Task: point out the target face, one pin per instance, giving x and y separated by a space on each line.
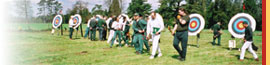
236 27
196 24
77 20
57 21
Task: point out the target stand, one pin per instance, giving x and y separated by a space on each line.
196 25
236 27
57 22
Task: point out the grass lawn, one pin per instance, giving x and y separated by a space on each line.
40 47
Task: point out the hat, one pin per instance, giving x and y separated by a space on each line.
136 14
245 22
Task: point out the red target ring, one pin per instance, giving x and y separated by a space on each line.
193 24
240 25
57 21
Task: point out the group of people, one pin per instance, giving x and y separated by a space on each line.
150 28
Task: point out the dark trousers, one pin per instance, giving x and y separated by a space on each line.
125 37
70 33
93 34
214 38
101 33
183 37
104 34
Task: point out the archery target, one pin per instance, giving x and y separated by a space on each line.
57 21
196 24
236 27
77 20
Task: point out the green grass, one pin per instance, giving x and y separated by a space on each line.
40 47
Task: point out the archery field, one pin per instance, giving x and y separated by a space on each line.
35 45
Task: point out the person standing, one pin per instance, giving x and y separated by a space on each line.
248 39
145 40
117 27
87 28
71 27
101 27
126 28
139 27
217 33
105 18
154 27
92 27
111 28
181 34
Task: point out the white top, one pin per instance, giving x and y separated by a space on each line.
116 25
71 24
157 22
108 21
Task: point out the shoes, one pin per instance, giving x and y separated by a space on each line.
137 52
151 57
256 59
182 59
160 54
241 60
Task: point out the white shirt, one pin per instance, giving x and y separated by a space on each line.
157 22
108 21
71 24
116 25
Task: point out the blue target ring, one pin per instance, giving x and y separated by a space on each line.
197 22
77 20
235 25
56 23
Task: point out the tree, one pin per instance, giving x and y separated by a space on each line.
114 8
48 9
138 6
254 8
24 9
80 7
98 10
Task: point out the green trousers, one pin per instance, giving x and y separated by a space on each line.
183 37
70 32
145 41
119 34
138 42
125 37
214 39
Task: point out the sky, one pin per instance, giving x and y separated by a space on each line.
67 4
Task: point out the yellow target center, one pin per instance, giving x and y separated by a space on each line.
241 25
193 24
56 21
75 21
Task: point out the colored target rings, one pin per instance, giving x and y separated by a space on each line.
57 21
236 27
196 24
77 20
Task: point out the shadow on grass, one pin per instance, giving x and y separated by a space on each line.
193 45
175 57
231 49
238 57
